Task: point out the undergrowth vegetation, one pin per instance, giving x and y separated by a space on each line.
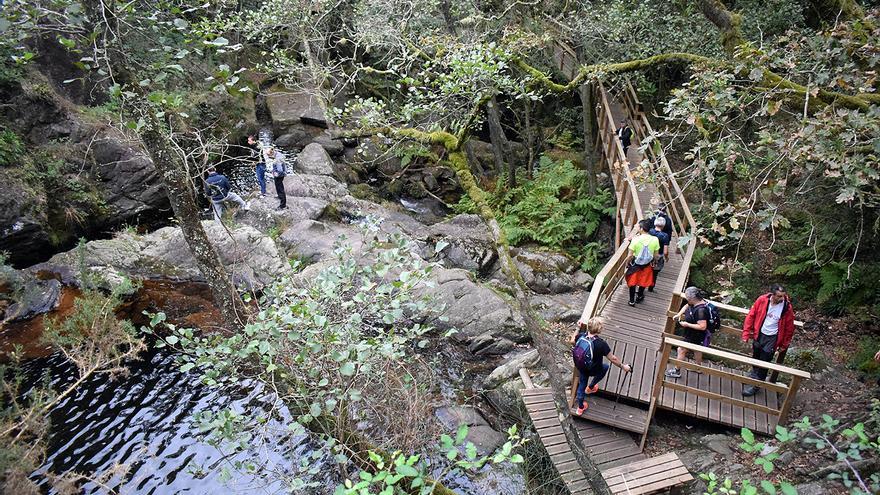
554 210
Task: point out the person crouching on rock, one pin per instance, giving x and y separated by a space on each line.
643 253
218 189
588 349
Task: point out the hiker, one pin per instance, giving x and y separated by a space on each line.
278 167
643 252
694 318
260 162
218 189
770 327
661 213
588 349
663 238
624 133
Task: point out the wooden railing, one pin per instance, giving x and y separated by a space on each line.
789 392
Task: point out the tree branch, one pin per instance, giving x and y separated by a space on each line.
726 21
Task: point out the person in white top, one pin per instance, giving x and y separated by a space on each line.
770 327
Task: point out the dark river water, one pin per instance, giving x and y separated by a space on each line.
145 422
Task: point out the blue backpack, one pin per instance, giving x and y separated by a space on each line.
582 352
714 322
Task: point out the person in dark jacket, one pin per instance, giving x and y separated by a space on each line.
218 189
770 327
624 133
694 319
600 349
663 238
667 226
278 167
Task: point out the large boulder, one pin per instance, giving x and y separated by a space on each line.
510 368
250 256
314 160
37 297
314 186
311 241
486 324
480 433
265 217
550 273
292 106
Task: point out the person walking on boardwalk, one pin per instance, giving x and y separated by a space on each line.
770 327
624 133
694 317
588 351
643 252
663 238
218 189
661 213
278 167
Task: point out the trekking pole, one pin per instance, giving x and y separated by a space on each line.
620 387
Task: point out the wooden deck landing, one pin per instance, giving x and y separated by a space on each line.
647 476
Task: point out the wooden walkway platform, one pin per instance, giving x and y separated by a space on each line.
647 476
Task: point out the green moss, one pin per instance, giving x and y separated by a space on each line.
11 147
863 359
363 191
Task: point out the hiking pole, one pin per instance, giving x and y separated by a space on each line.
620 387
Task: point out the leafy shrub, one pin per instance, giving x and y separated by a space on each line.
553 209
863 359
11 147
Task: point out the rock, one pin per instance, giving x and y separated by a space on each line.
314 186
483 436
313 241
313 159
564 308
288 107
719 444
430 182
813 488
768 449
251 256
493 329
735 467
293 139
333 147
264 215
37 297
785 458
511 367
550 273
696 460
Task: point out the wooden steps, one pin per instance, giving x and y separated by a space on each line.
647 476
609 413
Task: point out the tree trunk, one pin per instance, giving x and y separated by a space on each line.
530 138
589 120
500 146
182 197
726 21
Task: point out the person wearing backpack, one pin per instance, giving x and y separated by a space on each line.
699 319
770 327
588 351
663 238
275 160
643 253
217 188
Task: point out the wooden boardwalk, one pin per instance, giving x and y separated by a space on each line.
644 335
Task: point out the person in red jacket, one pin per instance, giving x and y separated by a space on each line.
770 327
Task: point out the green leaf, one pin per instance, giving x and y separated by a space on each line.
787 488
747 435
172 339
516 459
768 487
347 369
461 434
408 471
441 245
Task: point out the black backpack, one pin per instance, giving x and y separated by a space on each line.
714 322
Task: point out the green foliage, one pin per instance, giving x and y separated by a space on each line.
11 148
554 210
844 445
863 357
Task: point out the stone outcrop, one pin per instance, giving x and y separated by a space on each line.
251 257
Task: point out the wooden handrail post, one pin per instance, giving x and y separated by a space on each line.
789 399
575 378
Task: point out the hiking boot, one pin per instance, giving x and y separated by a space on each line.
593 389
580 410
632 304
281 208
749 390
650 289
673 373
640 299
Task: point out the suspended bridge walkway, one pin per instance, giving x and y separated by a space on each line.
644 335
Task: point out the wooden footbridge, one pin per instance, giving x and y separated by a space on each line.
644 335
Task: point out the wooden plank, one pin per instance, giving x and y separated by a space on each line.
632 483
702 393
669 456
729 374
739 359
620 416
